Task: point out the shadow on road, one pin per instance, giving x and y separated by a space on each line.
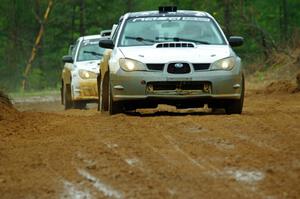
171 113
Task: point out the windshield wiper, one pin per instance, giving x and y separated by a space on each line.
140 39
93 53
176 39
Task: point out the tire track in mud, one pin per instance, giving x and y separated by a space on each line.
247 176
131 153
207 168
164 148
132 179
129 179
254 148
167 158
84 154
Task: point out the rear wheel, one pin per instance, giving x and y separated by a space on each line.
104 94
236 106
99 89
67 96
62 93
79 104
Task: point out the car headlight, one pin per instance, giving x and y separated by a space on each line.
87 74
131 65
224 64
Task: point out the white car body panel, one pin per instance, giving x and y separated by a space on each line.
203 80
151 54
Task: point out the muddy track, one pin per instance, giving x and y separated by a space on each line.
46 152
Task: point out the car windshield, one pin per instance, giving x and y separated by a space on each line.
149 30
90 50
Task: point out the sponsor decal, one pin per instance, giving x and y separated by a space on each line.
145 19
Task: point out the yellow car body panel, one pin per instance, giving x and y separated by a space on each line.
104 68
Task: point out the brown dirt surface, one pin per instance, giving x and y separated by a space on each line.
162 153
7 111
283 86
282 66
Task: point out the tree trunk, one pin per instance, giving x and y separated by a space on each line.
176 3
40 46
129 5
73 22
298 82
283 11
36 44
82 15
227 16
15 36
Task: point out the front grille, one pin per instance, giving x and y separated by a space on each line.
174 85
175 45
179 68
155 66
201 66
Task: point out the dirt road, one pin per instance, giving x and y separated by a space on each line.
160 153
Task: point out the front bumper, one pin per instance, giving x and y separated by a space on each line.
127 86
85 90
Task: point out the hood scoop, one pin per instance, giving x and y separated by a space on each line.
175 45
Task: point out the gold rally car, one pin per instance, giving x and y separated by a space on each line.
79 75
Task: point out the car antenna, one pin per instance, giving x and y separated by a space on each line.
166 9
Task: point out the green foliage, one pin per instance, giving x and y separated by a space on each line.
255 20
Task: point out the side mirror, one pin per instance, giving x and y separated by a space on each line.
235 41
67 59
106 43
71 47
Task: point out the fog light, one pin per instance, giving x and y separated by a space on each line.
236 86
206 88
150 88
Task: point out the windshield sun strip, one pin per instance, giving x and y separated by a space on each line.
204 17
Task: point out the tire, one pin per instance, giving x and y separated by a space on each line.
236 106
104 94
62 93
79 104
67 96
98 89
114 107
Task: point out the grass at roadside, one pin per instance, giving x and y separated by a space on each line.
52 92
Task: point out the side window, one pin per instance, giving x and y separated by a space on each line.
74 49
114 37
71 47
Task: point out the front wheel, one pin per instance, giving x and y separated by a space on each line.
236 106
67 96
114 107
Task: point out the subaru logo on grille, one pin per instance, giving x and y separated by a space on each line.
178 65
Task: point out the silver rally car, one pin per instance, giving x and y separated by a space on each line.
180 58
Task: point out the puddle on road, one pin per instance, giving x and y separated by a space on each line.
246 176
72 191
195 129
132 161
111 145
107 190
219 143
250 177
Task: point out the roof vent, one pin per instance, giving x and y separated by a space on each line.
175 45
166 9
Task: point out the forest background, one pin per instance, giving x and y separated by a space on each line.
268 26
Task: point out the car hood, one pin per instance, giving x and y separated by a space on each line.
91 65
198 54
